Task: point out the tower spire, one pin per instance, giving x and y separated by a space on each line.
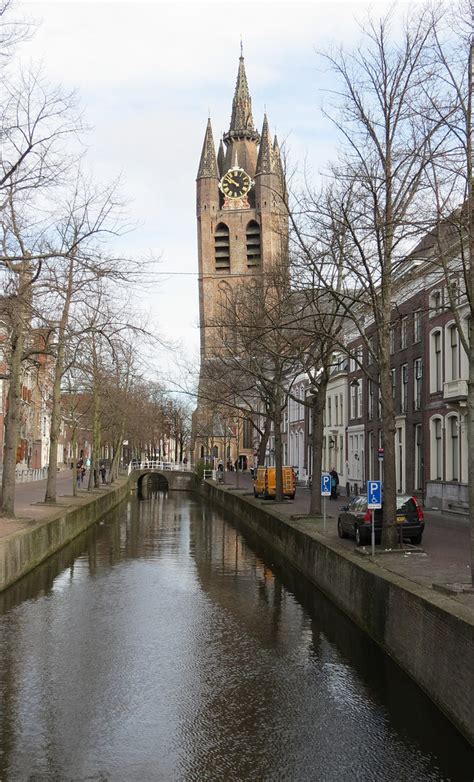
208 162
241 122
265 162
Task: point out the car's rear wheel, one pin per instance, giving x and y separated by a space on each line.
265 494
340 531
417 539
255 493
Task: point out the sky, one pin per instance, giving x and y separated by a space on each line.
148 75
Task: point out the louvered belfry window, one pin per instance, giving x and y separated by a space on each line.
221 248
253 244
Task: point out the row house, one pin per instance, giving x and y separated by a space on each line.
429 372
429 381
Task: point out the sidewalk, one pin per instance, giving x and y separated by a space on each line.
443 559
29 501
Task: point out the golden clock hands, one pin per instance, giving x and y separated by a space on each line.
232 181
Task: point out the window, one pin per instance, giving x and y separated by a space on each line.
253 244
453 353
222 248
418 458
404 333
417 382
417 326
454 447
436 304
341 407
354 401
393 373
359 400
392 339
400 459
404 389
336 413
437 467
436 361
371 456
370 399
329 412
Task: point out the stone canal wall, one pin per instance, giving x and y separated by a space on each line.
429 635
24 549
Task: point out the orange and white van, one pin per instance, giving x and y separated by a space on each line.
264 484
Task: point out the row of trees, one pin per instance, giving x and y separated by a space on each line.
64 285
401 102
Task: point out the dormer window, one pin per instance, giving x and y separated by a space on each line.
222 248
253 244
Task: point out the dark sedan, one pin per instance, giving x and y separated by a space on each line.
355 520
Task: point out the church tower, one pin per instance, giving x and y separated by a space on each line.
241 222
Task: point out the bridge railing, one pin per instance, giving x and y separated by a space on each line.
28 474
150 464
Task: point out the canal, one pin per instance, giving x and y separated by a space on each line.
161 646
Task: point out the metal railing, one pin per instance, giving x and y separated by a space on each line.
28 474
150 464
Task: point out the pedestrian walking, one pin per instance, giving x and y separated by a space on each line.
79 473
102 472
334 483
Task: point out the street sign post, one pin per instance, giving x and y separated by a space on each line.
325 484
325 492
374 502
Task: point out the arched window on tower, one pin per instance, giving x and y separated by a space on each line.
253 245
222 248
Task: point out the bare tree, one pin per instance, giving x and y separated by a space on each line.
382 181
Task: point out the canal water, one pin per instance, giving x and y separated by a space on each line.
162 645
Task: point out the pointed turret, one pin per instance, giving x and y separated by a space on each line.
208 162
221 158
277 156
265 160
241 122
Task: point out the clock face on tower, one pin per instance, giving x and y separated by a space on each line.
236 183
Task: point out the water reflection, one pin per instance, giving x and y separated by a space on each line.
159 646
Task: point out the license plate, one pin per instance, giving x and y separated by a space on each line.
400 519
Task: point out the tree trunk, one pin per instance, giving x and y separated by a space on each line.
389 526
317 428
470 282
114 467
262 447
278 448
50 495
73 462
13 414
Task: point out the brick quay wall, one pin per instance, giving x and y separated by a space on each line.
428 634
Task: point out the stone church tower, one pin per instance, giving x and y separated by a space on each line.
241 220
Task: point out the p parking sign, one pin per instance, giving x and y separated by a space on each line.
374 495
325 484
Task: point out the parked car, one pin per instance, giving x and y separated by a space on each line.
265 482
355 520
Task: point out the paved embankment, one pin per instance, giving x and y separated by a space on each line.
429 634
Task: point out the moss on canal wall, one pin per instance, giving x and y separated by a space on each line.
430 636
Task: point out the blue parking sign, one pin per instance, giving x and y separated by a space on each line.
374 495
325 484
